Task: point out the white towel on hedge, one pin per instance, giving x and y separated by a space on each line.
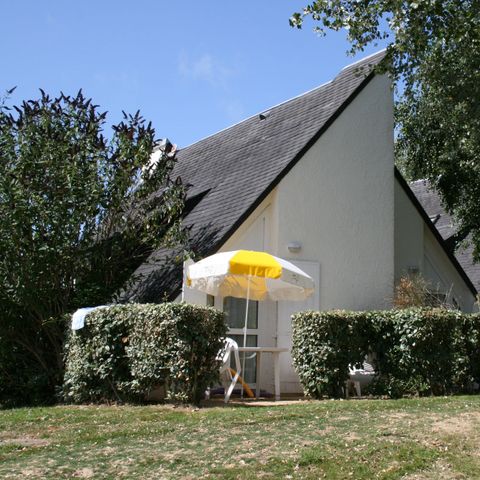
78 318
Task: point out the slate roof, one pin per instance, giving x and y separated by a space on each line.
232 171
445 225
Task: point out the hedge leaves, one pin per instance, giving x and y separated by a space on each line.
125 351
416 351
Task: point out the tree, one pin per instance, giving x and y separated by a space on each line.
434 56
78 213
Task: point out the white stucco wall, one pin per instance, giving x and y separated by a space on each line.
409 228
443 275
338 202
416 247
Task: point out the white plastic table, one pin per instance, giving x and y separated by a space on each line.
275 351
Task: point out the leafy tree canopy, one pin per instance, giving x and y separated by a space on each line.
433 53
79 211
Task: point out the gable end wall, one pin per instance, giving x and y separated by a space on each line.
338 202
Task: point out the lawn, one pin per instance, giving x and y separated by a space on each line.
431 438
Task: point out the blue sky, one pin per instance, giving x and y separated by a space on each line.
192 68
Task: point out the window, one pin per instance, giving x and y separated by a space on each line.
235 311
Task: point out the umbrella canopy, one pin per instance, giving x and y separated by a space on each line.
251 275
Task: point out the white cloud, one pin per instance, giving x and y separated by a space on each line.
205 68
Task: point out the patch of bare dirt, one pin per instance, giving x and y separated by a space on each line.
24 441
441 470
33 473
463 424
84 473
324 431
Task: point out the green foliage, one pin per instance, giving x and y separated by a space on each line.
414 31
124 352
433 54
415 351
79 210
467 352
323 346
28 374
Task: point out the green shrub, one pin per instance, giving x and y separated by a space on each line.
24 380
467 353
125 351
323 345
416 351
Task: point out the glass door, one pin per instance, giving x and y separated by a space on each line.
235 311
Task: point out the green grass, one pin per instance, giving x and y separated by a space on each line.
431 438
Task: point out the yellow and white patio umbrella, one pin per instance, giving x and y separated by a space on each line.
251 275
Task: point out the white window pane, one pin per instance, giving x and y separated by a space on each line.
235 310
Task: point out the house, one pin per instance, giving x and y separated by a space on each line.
311 180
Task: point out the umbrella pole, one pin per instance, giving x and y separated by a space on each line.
245 333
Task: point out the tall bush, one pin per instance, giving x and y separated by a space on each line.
416 351
124 352
324 344
467 353
81 207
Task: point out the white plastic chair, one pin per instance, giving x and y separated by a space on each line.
228 380
359 377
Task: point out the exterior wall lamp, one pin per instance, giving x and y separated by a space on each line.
294 247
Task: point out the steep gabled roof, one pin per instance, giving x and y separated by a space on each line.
445 225
236 168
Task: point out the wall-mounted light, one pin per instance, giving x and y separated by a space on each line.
294 247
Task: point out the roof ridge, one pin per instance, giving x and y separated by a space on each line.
363 59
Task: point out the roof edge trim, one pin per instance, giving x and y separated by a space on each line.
363 59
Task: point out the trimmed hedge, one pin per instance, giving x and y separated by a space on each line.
126 351
414 352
